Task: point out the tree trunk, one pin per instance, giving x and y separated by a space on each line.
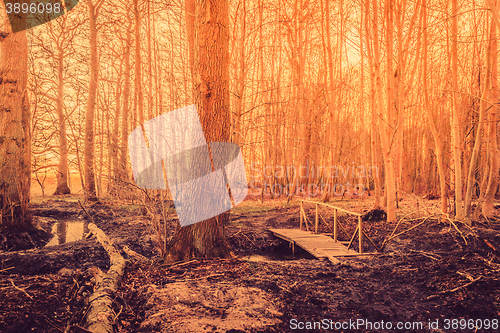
373 122
456 112
388 127
378 77
488 209
438 141
90 186
236 134
114 147
15 136
138 63
211 85
477 142
122 174
62 170
150 65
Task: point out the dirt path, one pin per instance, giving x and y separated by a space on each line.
426 274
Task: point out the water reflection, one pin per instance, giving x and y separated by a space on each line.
271 257
66 231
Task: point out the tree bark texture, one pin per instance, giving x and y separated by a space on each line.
15 136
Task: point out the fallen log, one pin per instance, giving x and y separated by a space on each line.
100 316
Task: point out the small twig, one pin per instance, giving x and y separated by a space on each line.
402 232
426 254
487 243
119 312
404 217
468 226
91 219
20 289
466 275
249 239
489 262
182 263
453 224
454 289
6 269
395 228
200 278
80 329
235 234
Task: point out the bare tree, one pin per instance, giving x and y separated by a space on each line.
211 84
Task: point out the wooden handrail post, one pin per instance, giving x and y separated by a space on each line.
316 221
335 231
300 213
360 234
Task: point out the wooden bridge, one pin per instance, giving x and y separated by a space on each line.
323 245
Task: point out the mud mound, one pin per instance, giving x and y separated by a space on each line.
190 307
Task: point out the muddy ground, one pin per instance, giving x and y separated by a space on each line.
437 271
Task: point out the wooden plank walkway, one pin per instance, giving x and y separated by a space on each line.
320 246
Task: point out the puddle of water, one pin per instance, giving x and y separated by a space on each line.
66 231
257 258
271 257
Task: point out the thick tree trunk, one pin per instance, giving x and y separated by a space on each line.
15 136
211 84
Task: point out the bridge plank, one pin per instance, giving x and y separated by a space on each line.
318 245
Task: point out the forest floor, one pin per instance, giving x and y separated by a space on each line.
437 271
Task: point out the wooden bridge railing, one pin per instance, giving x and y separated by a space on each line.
359 229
